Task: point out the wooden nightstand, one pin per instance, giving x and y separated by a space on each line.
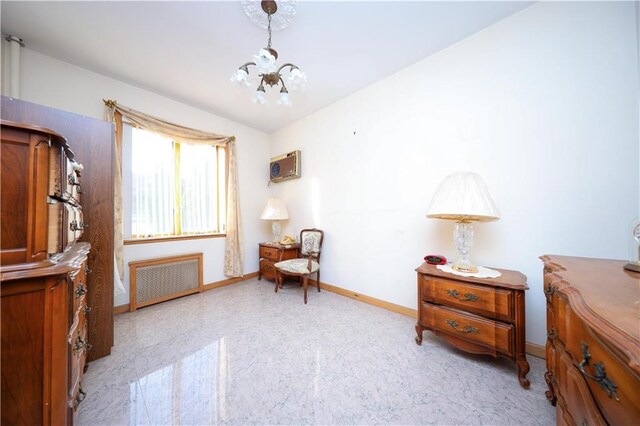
477 315
271 253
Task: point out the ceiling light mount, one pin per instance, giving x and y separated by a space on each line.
269 6
265 60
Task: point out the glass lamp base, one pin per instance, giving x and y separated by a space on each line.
275 230
463 238
633 266
462 265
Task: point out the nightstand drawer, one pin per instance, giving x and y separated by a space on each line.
491 302
472 328
269 253
267 268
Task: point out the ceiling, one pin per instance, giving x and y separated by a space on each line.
187 51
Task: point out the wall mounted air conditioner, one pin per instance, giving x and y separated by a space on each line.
286 166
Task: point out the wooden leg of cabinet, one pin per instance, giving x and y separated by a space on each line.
550 394
523 369
419 330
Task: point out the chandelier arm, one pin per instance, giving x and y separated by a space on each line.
282 81
247 64
290 65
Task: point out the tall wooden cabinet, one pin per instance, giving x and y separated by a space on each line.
43 277
92 142
56 253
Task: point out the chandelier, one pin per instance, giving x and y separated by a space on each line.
265 61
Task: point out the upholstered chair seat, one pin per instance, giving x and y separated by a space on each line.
298 266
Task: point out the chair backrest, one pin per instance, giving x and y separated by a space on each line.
311 241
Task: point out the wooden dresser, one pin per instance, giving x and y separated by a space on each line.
272 253
478 315
593 344
43 271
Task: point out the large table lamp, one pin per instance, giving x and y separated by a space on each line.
463 197
275 211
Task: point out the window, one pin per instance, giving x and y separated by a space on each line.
176 188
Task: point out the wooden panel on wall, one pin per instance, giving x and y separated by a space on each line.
92 142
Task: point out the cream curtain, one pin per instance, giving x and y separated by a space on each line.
234 251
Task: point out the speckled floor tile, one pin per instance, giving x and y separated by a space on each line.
243 354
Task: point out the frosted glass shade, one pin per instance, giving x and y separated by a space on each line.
463 197
265 61
274 210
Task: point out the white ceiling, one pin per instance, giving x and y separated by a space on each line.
188 50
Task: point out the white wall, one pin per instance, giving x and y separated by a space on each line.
50 82
543 105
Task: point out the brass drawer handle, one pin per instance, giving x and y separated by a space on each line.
74 225
80 291
87 271
600 376
551 334
550 290
80 344
86 309
468 297
79 398
467 328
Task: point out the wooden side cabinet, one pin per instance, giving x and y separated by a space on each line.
482 316
272 253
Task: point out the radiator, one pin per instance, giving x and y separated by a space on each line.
158 280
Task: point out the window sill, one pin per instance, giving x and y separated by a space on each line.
151 240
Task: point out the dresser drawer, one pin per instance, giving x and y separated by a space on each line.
269 253
472 328
576 394
491 302
582 341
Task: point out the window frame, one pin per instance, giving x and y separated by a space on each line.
132 239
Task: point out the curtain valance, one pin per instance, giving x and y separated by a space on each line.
170 130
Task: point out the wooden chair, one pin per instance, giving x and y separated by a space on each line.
305 266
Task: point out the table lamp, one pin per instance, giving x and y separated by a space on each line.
275 211
463 197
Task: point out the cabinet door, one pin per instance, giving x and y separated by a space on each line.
24 174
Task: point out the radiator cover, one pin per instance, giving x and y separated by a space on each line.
158 280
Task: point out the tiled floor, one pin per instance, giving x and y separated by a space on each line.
243 354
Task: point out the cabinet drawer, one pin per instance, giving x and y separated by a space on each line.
269 253
73 188
495 303
56 223
626 410
473 328
576 394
